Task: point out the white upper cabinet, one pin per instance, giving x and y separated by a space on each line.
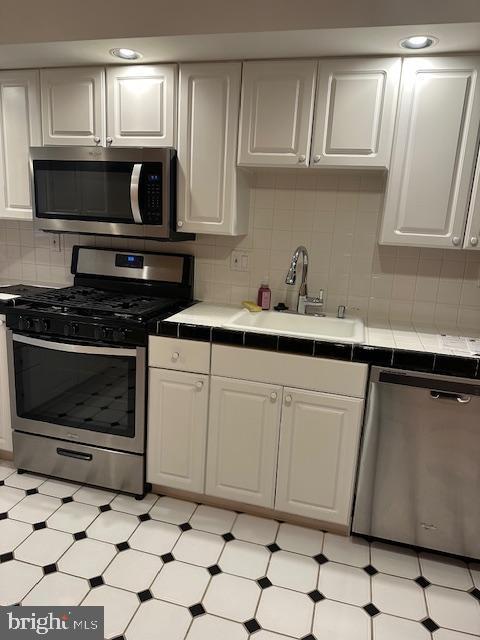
472 232
243 440
319 441
355 112
19 129
276 112
73 106
434 151
212 192
141 105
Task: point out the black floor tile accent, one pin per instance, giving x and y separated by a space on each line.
49 568
39 525
228 537
309 637
67 499
167 557
80 535
252 625
144 517
320 558
316 596
122 546
105 507
30 492
371 609
186 526
475 593
143 596
370 570
97 581
214 570
4 515
6 557
273 548
264 583
422 582
430 625
196 610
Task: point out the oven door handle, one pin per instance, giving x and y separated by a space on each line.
134 186
74 348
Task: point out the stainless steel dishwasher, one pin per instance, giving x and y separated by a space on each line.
419 473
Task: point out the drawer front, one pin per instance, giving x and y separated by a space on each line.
180 355
300 372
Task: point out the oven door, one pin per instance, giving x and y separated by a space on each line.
80 393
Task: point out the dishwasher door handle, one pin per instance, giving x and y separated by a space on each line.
444 395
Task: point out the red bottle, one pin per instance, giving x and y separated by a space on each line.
264 297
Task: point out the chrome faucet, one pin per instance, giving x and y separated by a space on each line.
305 305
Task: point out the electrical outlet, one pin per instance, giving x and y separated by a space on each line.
56 243
239 261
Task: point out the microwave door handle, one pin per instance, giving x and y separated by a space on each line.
134 184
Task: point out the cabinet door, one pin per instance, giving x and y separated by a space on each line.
177 429
19 129
141 103
355 112
243 440
319 441
433 155
5 421
207 141
73 106
472 232
276 112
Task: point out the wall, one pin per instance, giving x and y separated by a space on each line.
335 215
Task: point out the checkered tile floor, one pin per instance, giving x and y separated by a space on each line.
166 568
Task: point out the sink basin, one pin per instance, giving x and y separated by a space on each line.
299 326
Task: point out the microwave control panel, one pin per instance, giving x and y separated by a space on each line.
151 194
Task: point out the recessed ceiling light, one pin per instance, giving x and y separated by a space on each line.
418 42
125 54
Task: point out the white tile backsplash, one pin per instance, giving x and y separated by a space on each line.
335 214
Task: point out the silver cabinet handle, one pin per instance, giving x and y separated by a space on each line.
316 158
288 399
199 384
456 240
109 140
301 158
175 356
96 139
179 224
474 241
273 396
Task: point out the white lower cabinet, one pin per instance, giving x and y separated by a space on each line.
5 422
243 440
177 429
319 439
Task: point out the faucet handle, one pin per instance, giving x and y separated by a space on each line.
317 299
341 311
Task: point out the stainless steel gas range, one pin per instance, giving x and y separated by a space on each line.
77 365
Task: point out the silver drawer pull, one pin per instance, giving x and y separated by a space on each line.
78 455
443 395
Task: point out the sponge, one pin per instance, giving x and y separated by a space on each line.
251 306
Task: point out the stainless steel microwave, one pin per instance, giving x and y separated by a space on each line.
106 191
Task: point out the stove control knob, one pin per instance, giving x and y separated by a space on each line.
45 325
99 333
75 328
37 325
28 324
21 324
119 335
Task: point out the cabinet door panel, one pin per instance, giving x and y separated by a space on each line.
19 129
319 439
276 112
73 106
207 142
243 440
142 105
355 112
177 429
432 162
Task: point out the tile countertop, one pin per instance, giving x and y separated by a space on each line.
419 348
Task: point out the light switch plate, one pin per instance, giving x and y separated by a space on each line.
239 261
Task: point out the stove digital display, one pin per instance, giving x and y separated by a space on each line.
128 260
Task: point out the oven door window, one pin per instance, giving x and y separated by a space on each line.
76 390
83 190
